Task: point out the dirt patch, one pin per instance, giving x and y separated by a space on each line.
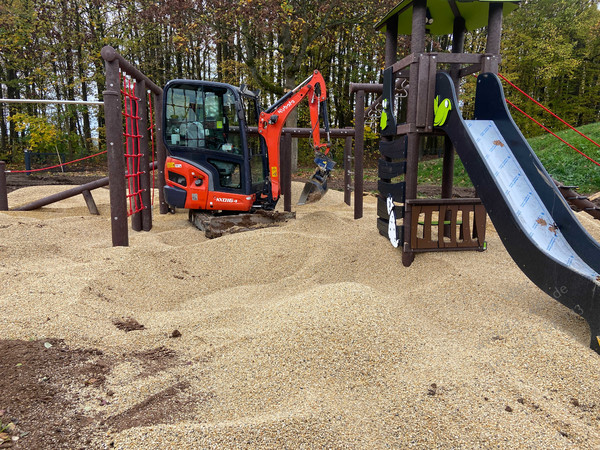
41 384
128 324
170 405
45 386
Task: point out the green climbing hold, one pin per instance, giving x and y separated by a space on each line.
383 120
441 110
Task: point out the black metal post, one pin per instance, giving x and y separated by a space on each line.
3 188
359 150
116 159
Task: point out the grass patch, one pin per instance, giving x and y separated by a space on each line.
565 164
562 162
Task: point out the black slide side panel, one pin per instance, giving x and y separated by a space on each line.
560 282
490 104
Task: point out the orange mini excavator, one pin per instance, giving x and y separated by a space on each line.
223 149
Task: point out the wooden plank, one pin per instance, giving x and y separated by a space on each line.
433 60
396 190
382 211
444 201
404 63
423 83
393 149
390 169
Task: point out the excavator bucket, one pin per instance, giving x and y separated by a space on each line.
316 187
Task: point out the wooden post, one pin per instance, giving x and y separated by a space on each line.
494 36
359 150
89 201
116 160
458 45
412 157
161 153
286 171
391 41
146 214
347 177
3 188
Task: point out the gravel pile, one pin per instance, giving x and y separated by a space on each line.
310 334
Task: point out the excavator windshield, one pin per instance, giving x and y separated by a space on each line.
202 116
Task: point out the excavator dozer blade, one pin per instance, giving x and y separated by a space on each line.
312 192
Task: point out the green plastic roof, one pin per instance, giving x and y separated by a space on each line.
475 14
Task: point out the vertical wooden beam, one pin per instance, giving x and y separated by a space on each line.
412 157
347 177
116 160
359 151
448 168
286 171
3 188
391 41
146 214
458 45
417 42
161 152
494 36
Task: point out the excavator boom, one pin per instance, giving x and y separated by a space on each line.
272 121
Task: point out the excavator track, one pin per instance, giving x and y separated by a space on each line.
215 225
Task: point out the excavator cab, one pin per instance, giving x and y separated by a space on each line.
212 163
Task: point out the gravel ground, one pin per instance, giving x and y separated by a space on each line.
310 334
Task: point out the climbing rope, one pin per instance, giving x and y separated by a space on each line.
132 145
548 110
57 165
554 115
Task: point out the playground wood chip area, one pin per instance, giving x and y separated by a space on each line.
306 335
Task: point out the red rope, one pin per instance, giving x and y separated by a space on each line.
549 131
58 165
548 110
151 129
132 146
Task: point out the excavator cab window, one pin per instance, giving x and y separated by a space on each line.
256 150
203 117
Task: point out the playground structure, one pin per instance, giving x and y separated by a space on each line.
527 208
569 272
133 114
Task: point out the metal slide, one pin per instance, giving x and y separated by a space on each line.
533 219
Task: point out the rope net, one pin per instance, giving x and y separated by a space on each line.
133 152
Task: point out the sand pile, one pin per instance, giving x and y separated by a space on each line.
310 334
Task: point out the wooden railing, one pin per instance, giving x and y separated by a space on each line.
447 224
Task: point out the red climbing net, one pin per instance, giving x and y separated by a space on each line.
133 153
151 130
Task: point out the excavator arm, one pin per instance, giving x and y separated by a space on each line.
272 121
